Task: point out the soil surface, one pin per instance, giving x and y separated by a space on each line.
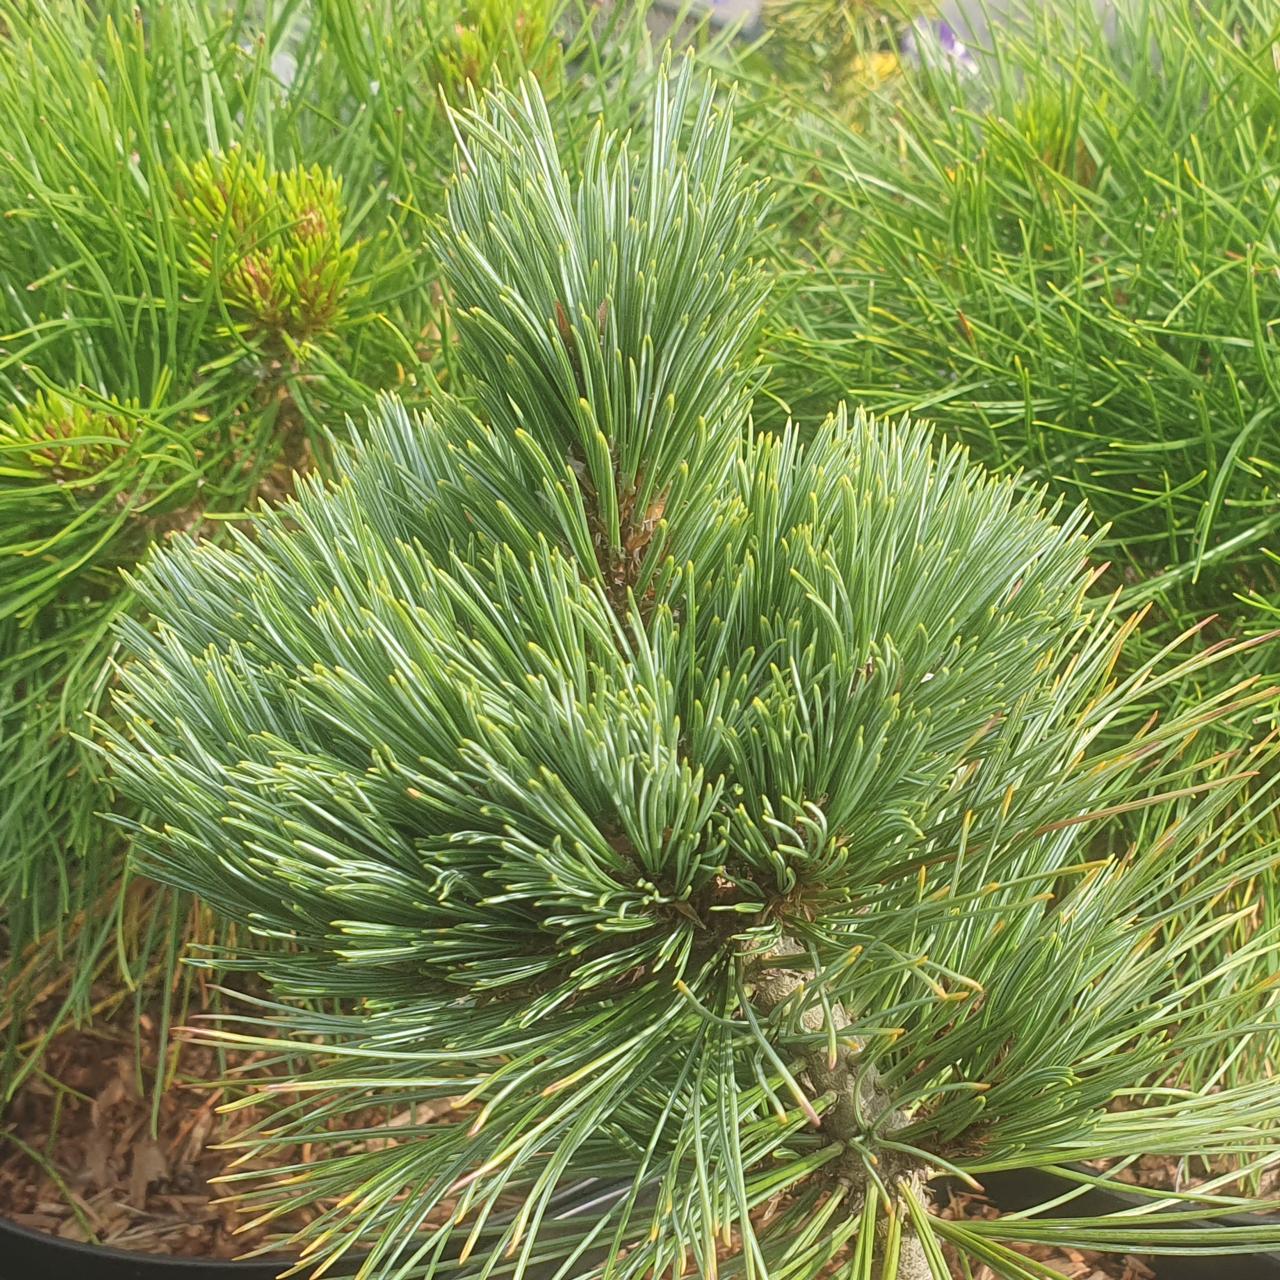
79 1157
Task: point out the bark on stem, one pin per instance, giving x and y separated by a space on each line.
859 1102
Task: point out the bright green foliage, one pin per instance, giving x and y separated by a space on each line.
214 227
1069 260
489 35
269 243
722 816
54 435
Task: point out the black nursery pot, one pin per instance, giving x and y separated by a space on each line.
1017 1189
34 1255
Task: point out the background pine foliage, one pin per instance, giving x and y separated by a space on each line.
1065 258
728 819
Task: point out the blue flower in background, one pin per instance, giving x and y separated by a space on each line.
937 41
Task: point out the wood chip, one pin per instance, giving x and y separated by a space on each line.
148 1165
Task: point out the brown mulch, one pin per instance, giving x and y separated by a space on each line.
89 1119
1167 1173
1173 1173
90 1168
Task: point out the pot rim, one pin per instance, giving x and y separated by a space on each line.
585 1196
266 1265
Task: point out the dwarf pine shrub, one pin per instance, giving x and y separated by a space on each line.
843 55
213 248
710 818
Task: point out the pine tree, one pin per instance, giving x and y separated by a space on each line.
698 815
